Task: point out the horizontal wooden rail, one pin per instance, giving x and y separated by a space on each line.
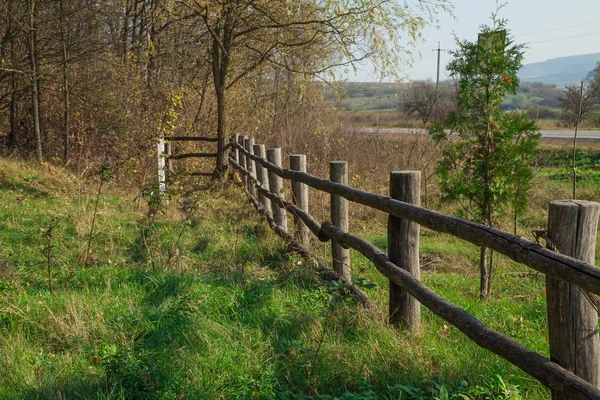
193 155
551 263
192 138
325 272
547 372
544 370
308 220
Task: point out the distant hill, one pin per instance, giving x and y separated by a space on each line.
560 71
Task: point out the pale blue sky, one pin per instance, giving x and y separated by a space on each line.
550 28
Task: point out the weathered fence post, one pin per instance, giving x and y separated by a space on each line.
338 172
242 158
300 198
262 176
572 319
403 249
169 153
249 146
276 186
162 175
235 152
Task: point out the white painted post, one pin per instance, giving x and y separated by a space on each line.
162 176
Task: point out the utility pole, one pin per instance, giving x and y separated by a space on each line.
437 85
575 141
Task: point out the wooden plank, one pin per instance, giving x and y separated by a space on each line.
193 155
547 372
572 318
403 249
338 172
192 138
519 249
300 198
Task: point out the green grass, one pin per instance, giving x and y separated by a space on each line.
234 315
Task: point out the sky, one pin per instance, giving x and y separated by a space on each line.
550 28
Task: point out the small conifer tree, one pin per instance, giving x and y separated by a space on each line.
487 152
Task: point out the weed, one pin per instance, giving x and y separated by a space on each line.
140 374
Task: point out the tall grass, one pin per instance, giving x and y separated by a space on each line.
254 322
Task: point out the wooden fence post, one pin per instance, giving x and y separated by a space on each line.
403 249
262 176
300 198
338 172
572 319
235 152
249 146
276 186
169 153
242 158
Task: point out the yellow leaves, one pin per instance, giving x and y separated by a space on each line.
445 330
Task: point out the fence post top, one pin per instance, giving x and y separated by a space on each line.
338 162
300 156
575 203
405 173
273 150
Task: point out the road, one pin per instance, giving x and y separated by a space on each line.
562 134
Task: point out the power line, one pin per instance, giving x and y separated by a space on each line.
566 37
558 29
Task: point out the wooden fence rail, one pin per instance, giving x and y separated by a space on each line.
561 381
533 255
166 157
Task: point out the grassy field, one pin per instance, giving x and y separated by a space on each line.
199 300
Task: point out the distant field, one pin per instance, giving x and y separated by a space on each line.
359 100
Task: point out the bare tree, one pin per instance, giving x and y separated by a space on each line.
572 96
420 99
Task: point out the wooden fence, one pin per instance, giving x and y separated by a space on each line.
572 282
166 158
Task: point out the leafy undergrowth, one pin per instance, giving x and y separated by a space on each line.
198 300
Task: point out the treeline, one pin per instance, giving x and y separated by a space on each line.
100 80
93 80
539 100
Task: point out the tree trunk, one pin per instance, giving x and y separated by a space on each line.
486 255
12 134
34 83
65 68
125 36
14 126
484 288
220 63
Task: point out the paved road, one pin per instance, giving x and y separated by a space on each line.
563 134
